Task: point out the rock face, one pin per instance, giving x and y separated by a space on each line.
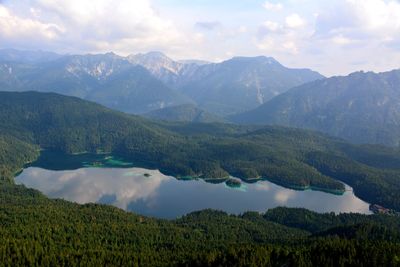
235 85
108 79
144 82
242 83
362 107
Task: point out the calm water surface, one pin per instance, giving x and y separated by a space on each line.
149 192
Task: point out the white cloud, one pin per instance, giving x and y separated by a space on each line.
242 29
283 196
303 33
13 27
294 21
341 40
272 6
360 19
271 26
377 16
123 26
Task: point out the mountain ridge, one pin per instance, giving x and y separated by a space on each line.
361 107
231 86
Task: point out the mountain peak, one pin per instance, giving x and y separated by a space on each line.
256 59
149 56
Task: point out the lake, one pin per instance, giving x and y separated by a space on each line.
149 192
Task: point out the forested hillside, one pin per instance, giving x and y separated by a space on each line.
35 230
38 231
290 157
361 107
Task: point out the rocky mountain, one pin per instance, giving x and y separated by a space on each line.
13 55
232 86
172 73
242 83
362 107
104 78
183 113
144 82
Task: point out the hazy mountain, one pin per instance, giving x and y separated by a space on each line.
229 87
242 83
184 113
194 61
13 55
105 78
361 107
144 82
171 72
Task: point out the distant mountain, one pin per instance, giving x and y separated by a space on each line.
194 61
13 55
183 113
171 72
144 82
362 107
233 86
242 83
105 78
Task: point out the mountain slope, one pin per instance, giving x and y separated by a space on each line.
170 72
242 83
183 113
107 79
289 157
361 107
233 86
19 56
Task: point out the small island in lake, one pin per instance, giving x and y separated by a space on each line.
235 183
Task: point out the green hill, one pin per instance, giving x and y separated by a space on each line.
35 230
183 113
289 157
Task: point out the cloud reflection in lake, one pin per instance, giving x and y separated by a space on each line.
149 192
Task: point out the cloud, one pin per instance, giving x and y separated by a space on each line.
360 19
208 25
283 196
13 28
271 26
341 40
294 21
299 33
101 25
272 6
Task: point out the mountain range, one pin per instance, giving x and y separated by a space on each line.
144 82
363 107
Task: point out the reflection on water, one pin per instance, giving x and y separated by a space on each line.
149 192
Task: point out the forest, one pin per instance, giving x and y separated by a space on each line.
42 232
37 231
285 156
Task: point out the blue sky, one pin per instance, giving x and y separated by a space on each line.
334 37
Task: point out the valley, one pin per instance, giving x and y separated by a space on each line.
168 172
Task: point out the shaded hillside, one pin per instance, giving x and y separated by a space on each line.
242 83
361 107
107 79
289 157
183 113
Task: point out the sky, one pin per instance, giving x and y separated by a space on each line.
334 37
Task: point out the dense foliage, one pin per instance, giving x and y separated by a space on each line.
290 157
35 230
